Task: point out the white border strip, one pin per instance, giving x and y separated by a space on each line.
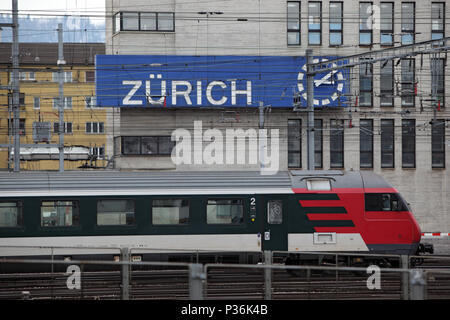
138 192
434 235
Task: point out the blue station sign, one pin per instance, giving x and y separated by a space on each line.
148 81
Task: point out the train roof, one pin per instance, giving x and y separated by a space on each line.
40 183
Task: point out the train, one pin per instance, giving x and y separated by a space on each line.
77 215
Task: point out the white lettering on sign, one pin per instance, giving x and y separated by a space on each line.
181 92
127 100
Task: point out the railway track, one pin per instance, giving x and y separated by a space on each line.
222 283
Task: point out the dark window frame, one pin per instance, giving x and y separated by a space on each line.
75 213
366 131
366 73
170 224
387 31
299 138
315 31
336 140
438 31
387 93
242 204
404 31
387 127
140 153
337 31
318 143
408 87
408 143
299 24
19 206
363 30
118 16
438 140
131 225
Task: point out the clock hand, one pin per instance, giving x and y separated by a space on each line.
325 78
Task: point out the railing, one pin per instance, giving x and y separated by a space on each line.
126 279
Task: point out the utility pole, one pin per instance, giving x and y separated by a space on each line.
61 63
310 108
15 86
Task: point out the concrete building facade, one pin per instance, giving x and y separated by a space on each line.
391 123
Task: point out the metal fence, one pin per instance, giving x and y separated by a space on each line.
270 279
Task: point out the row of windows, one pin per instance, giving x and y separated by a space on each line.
367 19
67 76
91 127
406 89
144 21
89 102
66 213
366 147
151 145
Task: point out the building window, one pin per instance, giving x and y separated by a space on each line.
67 103
21 99
115 213
98 152
408 82
294 143
95 127
408 143
318 143
387 23
156 145
408 23
438 144
170 211
90 102
224 211
366 143
21 127
387 143
437 20
366 85
293 23
387 84
365 23
90 76
67 127
11 214
36 103
144 21
336 23
67 76
315 23
59 213
337 143
438 82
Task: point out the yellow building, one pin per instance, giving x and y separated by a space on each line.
85 124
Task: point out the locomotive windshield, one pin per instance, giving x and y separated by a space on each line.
385 202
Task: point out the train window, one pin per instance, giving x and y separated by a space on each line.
224 211
59 213
385 202
115 212
10 214
170 211
316 184
275 211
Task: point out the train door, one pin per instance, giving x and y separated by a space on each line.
274 233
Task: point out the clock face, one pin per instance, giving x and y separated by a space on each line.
327 86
